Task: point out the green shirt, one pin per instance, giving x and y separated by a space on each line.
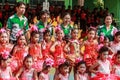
14 19
0 25
15 24
102 30
40 25
66 30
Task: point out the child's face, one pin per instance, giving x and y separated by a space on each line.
91 34
4 38
60 34
22 40
104 55
36 38
47 36
106 42
82 68
47 70
117 38
118 59
75 34
28 63
65 69
21 9
67 19
4 63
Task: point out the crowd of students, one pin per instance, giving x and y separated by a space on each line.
28 51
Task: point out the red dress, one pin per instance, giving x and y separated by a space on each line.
90 53
46 49
59 52
35 52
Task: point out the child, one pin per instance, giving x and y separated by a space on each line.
57 49
35 51
73 47
63 71
20 50
44 74
4 41
115 45
35 46
104 66
90 53
5 70
46 44
27 72
80 73
116 66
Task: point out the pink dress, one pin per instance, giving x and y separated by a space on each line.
117 70
27 74
115 47
45 76
5 74
83 77
104 67
64 77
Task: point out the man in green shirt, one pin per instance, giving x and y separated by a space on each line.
17 21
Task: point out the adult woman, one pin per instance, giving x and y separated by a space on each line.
107 30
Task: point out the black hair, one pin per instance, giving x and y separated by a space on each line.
47 31
65 64
108 14
4 59
28 56
103 49
42 13
33 33
18 4
66 13
78 64
118 53
91 29
117 33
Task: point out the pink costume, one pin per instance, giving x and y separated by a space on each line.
45 76
104 67
83 77
5 74
117 70
90 53
115 47
27 74
64 77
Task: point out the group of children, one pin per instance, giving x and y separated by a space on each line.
33 60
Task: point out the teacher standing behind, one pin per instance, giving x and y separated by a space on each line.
107 30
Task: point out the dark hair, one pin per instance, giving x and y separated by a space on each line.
66 13
118 53
103 49
20 36
3 59
65 64
18 4
78 64
106 38
91 29
33 33
28 56
117 33
47 31
108 14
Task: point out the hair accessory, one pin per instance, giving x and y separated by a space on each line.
61 61
101 38
58 28
5 54
77 60
20 32
2 30
33 28
49 61
93 27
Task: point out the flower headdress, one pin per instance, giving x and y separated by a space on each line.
20 32
49 62
5 54
2 30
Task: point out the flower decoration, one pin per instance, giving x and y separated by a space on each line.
20 32
49 61
5 54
